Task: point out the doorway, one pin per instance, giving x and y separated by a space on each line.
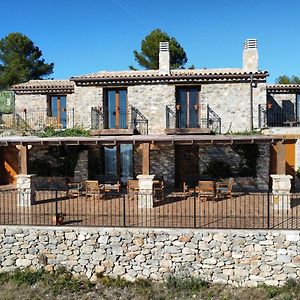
186 162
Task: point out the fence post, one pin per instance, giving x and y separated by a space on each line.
124 212
195 223
56 208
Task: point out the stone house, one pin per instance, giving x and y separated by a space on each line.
175 104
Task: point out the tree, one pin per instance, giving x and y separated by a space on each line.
284 79
20 61
148 58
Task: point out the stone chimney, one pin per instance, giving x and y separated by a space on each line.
164 58
250 55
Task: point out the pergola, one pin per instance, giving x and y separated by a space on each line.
146 140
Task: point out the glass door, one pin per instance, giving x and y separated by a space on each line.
118 161
57 111
187 108
115 109
298 108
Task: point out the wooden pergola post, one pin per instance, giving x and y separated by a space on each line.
280 165
146 159
24 159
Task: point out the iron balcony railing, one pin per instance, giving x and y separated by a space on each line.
274 115
160 209
179 119
35 120
131 118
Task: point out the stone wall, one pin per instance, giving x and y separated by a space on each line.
240 257
81 171
226 154
30 102
231 101
151 101
83 99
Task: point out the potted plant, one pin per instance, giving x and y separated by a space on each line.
58 219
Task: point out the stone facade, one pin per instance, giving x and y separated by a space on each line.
151 101
81 171
239 257
228 155
83 99
231 101
30 102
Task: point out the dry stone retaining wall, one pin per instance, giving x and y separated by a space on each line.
240 257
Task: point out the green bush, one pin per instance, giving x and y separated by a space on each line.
190 284
75 131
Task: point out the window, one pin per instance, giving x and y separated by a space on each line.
187 107
115 109
298 107
57 111
118 161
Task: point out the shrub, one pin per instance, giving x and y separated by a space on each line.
191 284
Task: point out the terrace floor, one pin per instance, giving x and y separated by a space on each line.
174 209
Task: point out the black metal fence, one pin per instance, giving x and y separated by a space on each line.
277 116
179 119
131 117
167 209
35 120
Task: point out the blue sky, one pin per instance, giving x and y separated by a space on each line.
86 36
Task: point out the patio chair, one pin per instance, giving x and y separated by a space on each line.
224 189
93 188
132 188
158 189
110 183
206 189
75 189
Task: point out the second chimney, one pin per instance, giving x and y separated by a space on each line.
250 55
164 58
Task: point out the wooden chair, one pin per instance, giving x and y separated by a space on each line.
206 189
224 189
110 183
93 188
75 189
132 188
158 188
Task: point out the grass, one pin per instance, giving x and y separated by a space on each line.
60 284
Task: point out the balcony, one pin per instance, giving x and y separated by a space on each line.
105 121
36 120
183 123
277 116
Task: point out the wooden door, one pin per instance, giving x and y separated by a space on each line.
9 164
282 159
186 162
290 154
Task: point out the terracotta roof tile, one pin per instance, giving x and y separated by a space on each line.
283 88
155 73
41 86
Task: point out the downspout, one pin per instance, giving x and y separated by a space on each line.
251 102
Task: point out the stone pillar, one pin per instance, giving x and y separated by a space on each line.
145 196
81 168
281 186
26 190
